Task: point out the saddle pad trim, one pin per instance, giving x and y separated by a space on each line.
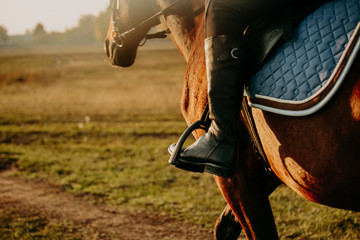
314 103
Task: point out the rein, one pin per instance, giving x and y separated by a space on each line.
152 21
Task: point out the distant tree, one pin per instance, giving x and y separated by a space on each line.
39 34
101 25
3 34
90 29
84 32
39 30
87 27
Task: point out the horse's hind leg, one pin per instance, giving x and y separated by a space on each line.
227 227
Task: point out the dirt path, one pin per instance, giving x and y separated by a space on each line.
54 204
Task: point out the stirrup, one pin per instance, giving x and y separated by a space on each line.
175 149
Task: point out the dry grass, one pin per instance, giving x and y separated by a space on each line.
85 83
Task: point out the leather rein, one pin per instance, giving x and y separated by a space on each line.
119 37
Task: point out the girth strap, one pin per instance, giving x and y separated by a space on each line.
254 137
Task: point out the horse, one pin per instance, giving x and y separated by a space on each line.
317 155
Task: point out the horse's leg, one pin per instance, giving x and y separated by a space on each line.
252 208
227 227
255 217
247 194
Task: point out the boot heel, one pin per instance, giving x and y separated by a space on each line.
189 167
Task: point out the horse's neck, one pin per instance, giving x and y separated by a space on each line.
182 28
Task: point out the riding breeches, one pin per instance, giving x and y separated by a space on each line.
232 17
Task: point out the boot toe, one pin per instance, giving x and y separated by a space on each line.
171 148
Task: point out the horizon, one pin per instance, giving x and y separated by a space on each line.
19 16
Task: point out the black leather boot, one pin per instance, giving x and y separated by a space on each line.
215 151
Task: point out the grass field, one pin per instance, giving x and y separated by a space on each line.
70 119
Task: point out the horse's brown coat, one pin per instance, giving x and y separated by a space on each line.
317 156
355 102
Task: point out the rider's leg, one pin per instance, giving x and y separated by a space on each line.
216 148
225 55
226 63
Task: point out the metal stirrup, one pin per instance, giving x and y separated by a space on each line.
203 123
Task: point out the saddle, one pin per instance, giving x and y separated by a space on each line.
300 76
302 73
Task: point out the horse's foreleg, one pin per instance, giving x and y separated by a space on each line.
247 194
256 218
227 227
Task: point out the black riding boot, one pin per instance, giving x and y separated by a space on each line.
215 150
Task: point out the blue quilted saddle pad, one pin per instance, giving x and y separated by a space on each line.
303 66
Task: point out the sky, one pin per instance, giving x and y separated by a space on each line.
17 16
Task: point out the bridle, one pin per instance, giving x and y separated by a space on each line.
120 37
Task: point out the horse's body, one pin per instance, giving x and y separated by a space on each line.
318 156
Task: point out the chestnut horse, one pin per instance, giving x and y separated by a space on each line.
318 156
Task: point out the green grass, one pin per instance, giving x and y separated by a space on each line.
298 218
68 118
123 163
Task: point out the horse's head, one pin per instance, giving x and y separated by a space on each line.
126 31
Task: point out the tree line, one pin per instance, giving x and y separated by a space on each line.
90 29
